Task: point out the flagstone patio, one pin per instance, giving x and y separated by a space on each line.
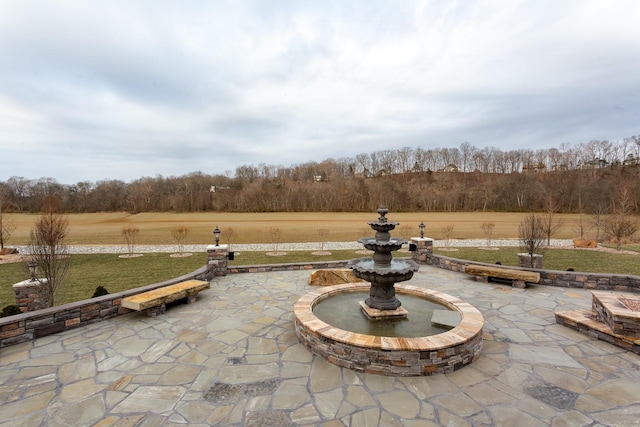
232 359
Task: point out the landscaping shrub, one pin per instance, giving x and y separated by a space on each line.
100 291
10 310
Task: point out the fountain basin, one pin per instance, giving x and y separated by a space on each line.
340 310
440 353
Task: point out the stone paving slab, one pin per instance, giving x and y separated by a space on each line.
232 359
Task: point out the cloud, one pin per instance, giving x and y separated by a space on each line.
127 89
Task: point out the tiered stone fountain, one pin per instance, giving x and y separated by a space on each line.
382 271
385 338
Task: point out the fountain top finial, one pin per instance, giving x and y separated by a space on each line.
383 211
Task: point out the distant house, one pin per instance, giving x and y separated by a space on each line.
450 168
366 173
593 164
216 188
536 168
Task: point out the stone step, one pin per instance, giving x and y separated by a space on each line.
584 320
611 310
445 318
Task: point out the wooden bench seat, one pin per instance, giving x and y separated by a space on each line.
154 302
519 278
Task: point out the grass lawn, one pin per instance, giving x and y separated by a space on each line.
627 247
556 259
118 274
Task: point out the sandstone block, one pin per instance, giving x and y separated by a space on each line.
584 243
332 277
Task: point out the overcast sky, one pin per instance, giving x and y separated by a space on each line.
124 89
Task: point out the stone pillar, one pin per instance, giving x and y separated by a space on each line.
524 260
32 295
217 260
424 249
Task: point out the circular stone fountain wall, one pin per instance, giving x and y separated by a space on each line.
441 353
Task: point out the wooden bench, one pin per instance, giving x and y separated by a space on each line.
519 278
155 302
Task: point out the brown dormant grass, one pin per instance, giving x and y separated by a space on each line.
155 228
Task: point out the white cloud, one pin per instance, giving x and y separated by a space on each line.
125 89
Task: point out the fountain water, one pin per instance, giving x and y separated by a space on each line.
388 352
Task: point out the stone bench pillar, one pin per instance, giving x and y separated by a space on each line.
424 249
217 257
32 295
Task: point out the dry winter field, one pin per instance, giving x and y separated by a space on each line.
155 228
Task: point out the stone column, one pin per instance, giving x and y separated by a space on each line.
524 260
217 260
32 295
424 249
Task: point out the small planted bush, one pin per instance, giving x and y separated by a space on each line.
100 291
10 310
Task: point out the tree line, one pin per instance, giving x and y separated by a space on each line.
580 178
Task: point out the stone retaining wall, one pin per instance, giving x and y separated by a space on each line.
261 268
564 279
35 324
28 326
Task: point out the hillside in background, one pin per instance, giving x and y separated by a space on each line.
580 179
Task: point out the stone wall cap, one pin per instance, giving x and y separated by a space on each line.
527 254
29 282
216 248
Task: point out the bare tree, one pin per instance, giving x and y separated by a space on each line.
20 189
49 251
7 226
130 233
447 232
276 236
179 235
229 235
620 224
551 222
532 236
487 229
599 211
466 154
404 155
323 233
363 162
581 225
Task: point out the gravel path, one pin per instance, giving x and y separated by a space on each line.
309 246
259 247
